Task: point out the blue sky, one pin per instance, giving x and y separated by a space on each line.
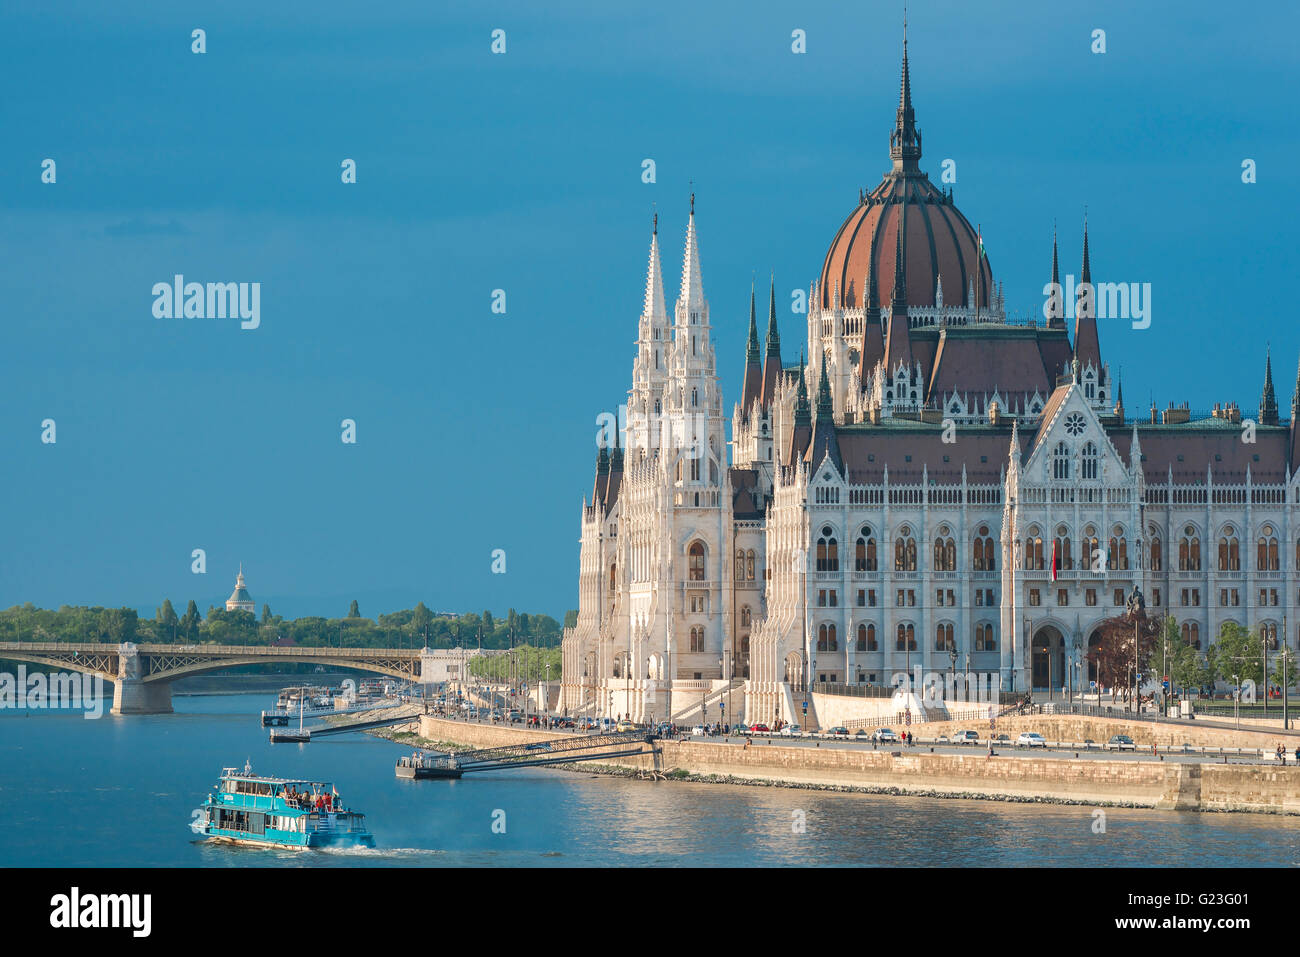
522 172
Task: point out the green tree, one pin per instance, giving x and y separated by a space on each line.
1237 652
488 626
571 618
353 610
266 614
190 622
421 619
166 615
119 624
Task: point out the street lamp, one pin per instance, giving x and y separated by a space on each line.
952 668
1236 700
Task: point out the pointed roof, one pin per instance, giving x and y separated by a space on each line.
654 312
1293 450
1059 303
905 140
801 434
1087 348
824 441
692 293
898 339
1268 400
753 382
873 340
772 359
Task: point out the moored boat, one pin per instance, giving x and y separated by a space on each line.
247 808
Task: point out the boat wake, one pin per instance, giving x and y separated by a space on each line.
384 852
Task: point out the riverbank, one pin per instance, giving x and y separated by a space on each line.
1016 777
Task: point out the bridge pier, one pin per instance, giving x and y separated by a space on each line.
133 696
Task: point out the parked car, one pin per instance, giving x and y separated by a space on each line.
699 731
1120 742
1002 739
861 733
516 715
942 739
791 731
839 731
966 737
760 729
740 729
884 736
1031 739
625 726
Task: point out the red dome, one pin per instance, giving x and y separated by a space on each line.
938 241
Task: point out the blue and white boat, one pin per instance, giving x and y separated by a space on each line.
247 808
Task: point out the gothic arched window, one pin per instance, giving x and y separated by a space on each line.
1061 461
749 565
905 639
943 637
828 551
1266 550
945 555
905 551
1229 550
1089 465
864 559
695 562
1189 551
826 638
984 637
983 551
1034 551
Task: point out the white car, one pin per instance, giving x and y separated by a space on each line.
791 731
699 731
1031 739
884 736
966 737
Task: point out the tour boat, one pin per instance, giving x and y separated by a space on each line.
247 808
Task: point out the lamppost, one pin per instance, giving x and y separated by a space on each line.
952 668
1076 676
1236 700
1028 648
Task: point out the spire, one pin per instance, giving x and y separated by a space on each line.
753 387
1119 399
1295 396
602 475
905 140
752 353
898 340
802 411
1268 401
824 439
772 360
1087 349
692 294
900 267
1058 305
654 313
1293 450
873 342
825 407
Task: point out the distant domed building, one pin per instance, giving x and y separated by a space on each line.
240 599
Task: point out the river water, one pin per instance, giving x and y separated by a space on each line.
121 791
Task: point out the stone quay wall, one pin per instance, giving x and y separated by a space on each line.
1010 775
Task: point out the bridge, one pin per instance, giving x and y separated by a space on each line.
142 673
565 750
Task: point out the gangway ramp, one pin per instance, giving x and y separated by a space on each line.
564 750
403 715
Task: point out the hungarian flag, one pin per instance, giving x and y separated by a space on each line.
1056 561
